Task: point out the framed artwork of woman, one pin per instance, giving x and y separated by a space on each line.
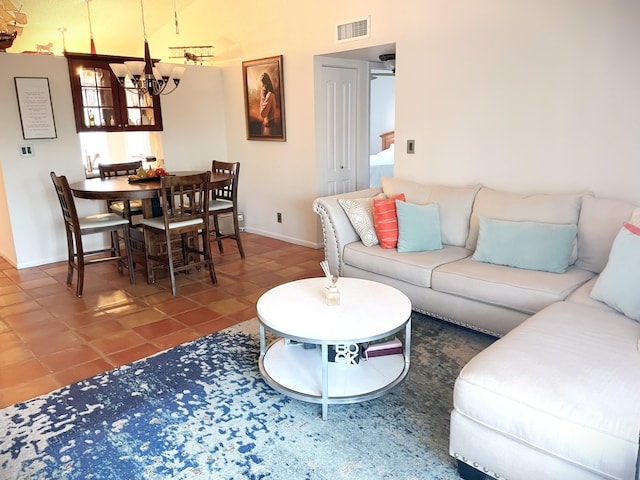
264 99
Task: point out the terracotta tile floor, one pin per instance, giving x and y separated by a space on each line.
50 338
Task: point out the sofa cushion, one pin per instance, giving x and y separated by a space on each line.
527 291
414 192
455 209
418 227
600 222
360 213
414 268
552 208
530 245
385 220
585 412
455 204
618 284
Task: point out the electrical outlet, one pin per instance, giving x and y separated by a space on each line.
279 217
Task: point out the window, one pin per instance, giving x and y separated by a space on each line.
115 147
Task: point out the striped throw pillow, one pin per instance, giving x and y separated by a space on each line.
385 220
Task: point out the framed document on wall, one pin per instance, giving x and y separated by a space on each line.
34 103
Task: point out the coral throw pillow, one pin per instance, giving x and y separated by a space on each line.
385 220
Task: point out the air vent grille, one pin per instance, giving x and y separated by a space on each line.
352 30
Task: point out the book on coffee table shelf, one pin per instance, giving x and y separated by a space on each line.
306 346
377 348
389 347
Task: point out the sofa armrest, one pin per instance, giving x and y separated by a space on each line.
337 230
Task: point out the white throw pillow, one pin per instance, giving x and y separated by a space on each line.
360 214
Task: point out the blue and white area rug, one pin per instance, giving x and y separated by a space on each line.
202 411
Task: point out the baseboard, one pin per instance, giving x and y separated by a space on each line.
284 238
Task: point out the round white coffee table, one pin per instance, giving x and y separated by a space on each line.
297 313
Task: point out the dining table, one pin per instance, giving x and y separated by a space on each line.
121 188
147 190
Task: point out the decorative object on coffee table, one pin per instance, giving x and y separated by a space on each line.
332 295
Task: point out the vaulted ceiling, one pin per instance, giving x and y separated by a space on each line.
116 24
117 27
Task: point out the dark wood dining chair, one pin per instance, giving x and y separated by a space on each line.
224 200
184 218
124 208
77 227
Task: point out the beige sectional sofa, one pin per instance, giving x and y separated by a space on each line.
558 395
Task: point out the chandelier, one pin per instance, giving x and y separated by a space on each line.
144 77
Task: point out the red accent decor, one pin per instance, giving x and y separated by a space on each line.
632 228
385 220
148 66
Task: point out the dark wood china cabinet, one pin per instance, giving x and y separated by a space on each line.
101 104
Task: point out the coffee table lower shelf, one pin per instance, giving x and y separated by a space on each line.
298 373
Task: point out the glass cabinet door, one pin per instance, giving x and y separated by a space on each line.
100 103
139 108
98 107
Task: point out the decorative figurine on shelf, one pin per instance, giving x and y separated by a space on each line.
12 20
44 49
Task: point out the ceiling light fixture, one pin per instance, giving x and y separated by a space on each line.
143 76
389 60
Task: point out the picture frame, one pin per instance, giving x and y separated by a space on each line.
34 105
264 112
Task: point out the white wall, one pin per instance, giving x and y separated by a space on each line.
32 209
525 95
533 95
193 121
30 217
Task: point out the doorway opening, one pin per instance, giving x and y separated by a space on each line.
382 122
355 114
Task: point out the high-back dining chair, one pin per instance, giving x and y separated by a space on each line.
76 227
184 217
124 208
224 200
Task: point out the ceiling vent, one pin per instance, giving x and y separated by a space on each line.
353 30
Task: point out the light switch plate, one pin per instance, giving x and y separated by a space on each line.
26 151
411 146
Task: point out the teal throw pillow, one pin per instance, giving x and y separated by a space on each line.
617 285
530 245
418 227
